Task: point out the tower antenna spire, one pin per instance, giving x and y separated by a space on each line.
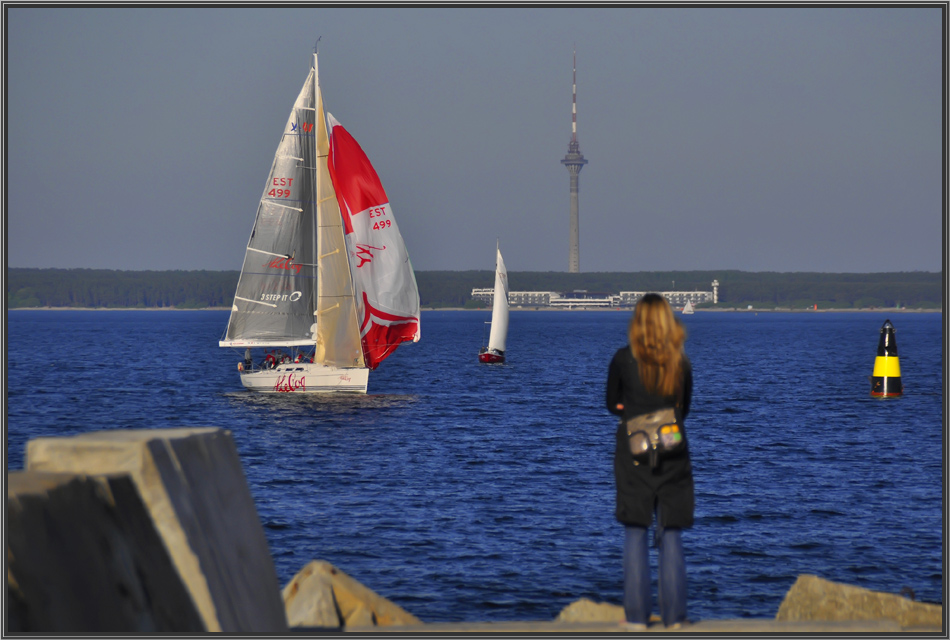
574 100
574 161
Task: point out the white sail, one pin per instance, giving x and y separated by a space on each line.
499 312
688 307
382 274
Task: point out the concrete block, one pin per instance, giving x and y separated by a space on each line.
84 557
812 598
192 482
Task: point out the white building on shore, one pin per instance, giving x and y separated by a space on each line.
582 299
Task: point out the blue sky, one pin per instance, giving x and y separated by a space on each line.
752 138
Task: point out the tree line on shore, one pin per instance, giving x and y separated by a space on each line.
112 289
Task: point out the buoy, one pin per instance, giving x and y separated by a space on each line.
886 378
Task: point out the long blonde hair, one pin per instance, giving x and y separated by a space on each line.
656 340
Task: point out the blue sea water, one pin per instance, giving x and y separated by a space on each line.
468 492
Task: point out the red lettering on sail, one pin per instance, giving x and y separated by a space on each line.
365 253
284 263
381 333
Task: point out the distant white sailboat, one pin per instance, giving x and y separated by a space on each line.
495 351
326 274
688 307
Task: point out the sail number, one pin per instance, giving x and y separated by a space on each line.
281 193
379 212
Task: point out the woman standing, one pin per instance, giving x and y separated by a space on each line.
652 372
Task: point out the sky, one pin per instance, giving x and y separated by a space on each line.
760 138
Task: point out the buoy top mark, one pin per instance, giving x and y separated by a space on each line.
887 345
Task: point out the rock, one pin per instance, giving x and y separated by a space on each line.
193 485
360 616
309 601
585 610
84 557
812 598
356 605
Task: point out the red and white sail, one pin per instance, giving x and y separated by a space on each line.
388 298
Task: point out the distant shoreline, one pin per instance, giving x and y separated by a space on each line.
606 309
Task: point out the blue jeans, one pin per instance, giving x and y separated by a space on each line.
637 599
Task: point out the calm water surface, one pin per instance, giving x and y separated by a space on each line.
468 492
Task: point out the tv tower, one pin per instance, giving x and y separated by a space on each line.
574 161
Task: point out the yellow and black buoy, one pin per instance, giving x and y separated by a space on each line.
886 378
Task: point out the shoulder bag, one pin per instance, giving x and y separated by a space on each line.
655 435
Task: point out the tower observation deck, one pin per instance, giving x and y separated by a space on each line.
574 161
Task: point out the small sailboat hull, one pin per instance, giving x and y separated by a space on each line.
306 377
491 357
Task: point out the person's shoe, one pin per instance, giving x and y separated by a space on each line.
633 626
677 625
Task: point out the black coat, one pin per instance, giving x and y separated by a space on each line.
640 488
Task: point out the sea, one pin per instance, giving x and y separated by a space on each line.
471 492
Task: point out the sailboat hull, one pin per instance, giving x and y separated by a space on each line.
306 377
491 357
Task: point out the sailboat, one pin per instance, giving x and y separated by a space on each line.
495 351
688 307
326 289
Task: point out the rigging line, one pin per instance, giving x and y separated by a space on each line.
325 199
266 304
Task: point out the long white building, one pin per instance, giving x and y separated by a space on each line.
586 299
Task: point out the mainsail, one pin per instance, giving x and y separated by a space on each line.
275 302
388 298
499 313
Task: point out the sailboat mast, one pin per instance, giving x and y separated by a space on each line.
317 113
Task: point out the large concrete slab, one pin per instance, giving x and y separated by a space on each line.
84 557
192 482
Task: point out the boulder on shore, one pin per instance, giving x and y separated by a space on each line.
585 610
812 598
320 595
